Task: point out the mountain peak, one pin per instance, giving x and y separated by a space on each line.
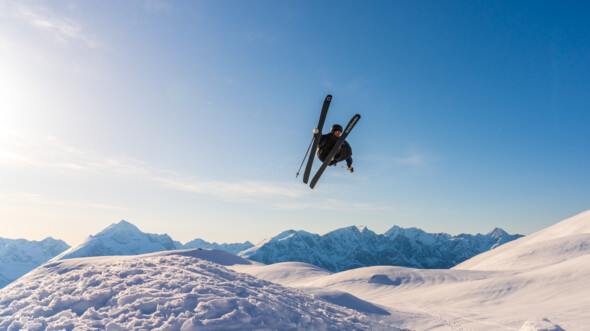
122 226
121 238
497 233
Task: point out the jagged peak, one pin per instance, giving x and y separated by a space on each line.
355 229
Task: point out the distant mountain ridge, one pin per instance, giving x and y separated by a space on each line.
355 247
19 256
124 238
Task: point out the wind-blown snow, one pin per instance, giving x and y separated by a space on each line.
167 291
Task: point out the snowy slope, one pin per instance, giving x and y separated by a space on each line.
19 256
563 241
122 238
355 247
540 282
181 290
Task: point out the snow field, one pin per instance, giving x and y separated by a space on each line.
170 292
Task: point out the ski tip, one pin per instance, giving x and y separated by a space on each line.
328 97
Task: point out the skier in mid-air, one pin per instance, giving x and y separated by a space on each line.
327 141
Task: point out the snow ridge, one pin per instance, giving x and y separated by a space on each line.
354 247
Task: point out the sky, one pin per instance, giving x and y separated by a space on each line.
192 117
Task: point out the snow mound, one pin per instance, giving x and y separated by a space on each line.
540 325
168 291
563 241
287 273
348 300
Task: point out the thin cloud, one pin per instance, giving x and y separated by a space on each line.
31 198
414 160
64 30
48 152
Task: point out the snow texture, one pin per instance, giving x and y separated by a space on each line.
163 291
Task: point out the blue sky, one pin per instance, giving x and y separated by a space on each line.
192 117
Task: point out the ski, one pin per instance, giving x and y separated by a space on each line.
316 138
335 149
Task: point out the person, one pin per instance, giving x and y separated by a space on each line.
328 140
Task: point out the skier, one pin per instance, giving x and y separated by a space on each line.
327 141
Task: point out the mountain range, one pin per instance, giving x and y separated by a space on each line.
19 256
342 249
355 247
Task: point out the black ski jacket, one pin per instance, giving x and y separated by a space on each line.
325 145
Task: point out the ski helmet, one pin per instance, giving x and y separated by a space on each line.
336 127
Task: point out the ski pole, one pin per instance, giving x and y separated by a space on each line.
308 148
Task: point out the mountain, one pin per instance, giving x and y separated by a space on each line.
355 247
178 290
234 248
122 238
19 256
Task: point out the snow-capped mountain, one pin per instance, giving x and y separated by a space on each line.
122 238
234 248
19 256
355 247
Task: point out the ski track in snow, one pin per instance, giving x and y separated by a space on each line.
162 293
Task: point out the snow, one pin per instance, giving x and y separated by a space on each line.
164 291
565 240
19 256
541 324
535 283
538 282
